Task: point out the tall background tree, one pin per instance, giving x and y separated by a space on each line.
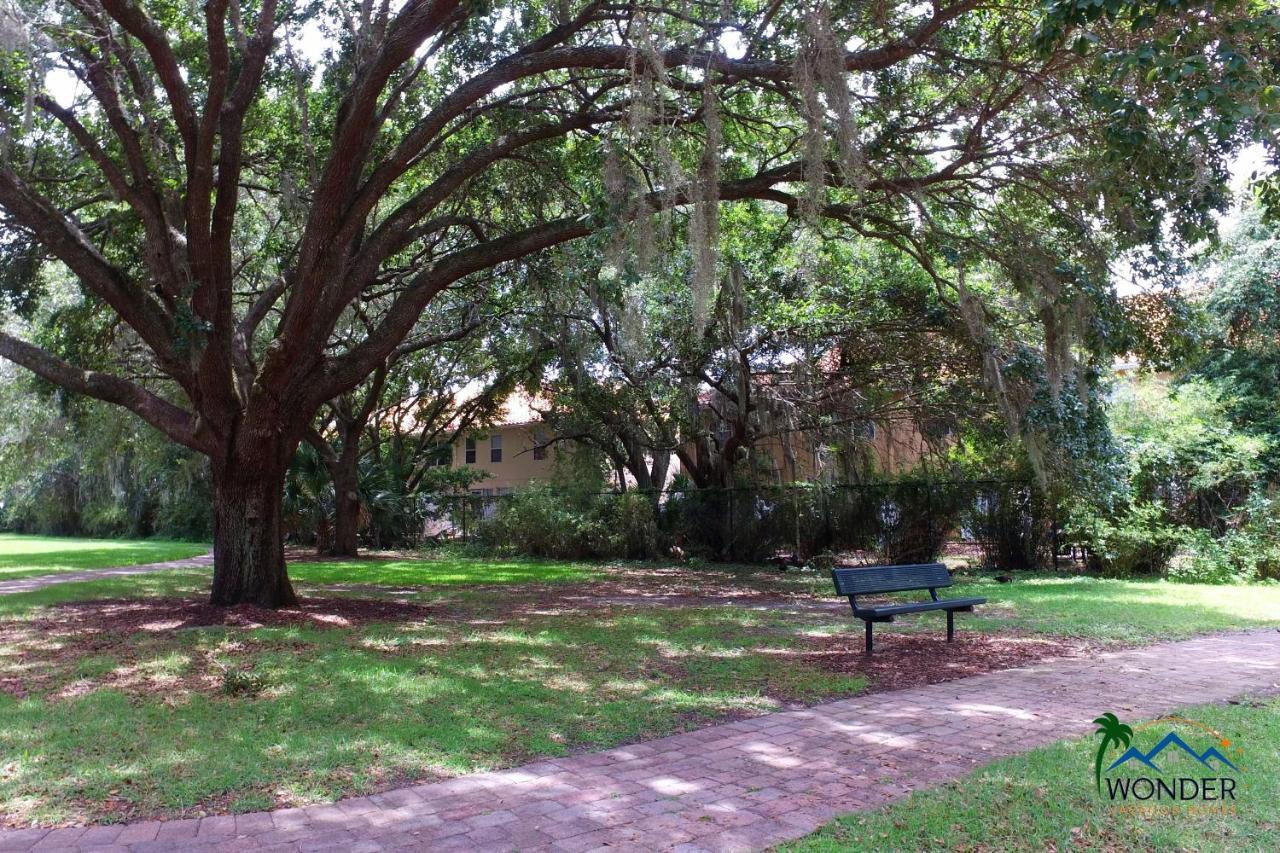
799 348
1241 352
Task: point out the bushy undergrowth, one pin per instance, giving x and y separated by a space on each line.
540 521
1239 556
1138 541
1195 502
1144 542
897 521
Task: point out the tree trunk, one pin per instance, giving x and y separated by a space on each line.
248 545
346 500
658 473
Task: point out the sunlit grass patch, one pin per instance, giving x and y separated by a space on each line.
1117 610
1100 609
444 570
28 556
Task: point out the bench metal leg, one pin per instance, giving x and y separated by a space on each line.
951 625
869 624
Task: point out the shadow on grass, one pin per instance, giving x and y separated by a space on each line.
143 726
122 733
150 585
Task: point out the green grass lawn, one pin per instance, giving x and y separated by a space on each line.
1101 609
1117 610
152 723
160 717
440 570
1098 609
1046 800
27 556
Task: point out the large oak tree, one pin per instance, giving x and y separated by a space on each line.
233 204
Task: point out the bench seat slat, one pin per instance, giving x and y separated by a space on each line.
919 607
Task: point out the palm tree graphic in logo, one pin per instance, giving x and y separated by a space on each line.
1114 733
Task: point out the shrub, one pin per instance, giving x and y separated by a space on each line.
540 521
535 521
1143 541
823 563
912 523
107 520
635 526
1011 525
1248 552
1232 558
1139 542
243 682
896 521
701 521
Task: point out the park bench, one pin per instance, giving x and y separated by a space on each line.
870 580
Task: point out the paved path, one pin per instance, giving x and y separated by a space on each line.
42 581
744 785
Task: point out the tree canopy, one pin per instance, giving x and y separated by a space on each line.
234 207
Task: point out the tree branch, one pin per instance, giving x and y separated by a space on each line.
179 424
70 245
145 30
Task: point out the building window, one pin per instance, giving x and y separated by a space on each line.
471 451
539 446
486 506
495 448
439 456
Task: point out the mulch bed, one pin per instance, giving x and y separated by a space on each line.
909 660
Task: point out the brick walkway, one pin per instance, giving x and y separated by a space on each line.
741 786
42 581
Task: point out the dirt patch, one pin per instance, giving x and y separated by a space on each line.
909 660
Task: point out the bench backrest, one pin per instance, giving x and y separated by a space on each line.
870 579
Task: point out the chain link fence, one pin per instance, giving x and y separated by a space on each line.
1007 525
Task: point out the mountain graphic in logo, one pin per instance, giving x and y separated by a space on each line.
1170 740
